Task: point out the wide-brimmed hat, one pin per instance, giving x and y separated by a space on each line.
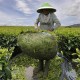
46 6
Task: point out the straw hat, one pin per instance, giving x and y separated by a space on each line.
46 6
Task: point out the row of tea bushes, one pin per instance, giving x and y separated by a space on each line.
68 40
8 35
14 30
68 43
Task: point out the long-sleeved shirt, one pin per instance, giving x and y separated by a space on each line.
47 22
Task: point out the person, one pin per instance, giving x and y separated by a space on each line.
48 21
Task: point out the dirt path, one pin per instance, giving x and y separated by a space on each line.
29 72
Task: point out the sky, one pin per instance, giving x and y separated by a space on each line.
23 12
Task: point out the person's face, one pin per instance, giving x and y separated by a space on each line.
45 11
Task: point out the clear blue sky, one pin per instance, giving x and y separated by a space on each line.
23 12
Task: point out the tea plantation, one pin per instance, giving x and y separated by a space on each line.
68 40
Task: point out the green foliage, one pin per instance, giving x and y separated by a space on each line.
7 41
41 45
5 72
19 65
8 35
22 61
78 53
68 40
77 60
14 30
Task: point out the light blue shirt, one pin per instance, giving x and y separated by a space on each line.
47 22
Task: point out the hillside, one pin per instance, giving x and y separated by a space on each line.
74 25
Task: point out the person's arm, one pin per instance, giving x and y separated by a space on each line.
56 21
36 23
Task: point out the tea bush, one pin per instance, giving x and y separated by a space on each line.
8 35
5 72
68 41
39 45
